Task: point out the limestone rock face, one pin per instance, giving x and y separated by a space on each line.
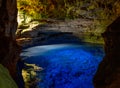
9 50
108 74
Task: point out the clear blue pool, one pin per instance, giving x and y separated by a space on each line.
65 65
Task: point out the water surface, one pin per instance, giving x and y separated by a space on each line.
65 65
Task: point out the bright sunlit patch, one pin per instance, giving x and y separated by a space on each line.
39 50
65 66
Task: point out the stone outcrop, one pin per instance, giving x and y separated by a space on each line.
82 29
9 50
108 74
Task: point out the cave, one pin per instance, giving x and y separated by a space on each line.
108 72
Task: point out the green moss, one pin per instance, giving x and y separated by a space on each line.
6 80
23 26
93 39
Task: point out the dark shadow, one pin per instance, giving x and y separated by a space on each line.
45 36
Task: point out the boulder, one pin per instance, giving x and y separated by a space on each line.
9 49
108 73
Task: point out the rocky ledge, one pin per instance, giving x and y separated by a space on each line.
58 31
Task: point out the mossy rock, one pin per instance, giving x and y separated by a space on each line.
6 80
22 26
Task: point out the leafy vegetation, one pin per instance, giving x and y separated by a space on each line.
62 9
47 8
102 12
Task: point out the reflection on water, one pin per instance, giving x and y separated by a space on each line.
65 65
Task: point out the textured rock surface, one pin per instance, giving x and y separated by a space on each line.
108 74
82 29
9 50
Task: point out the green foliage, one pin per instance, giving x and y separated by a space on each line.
47 8
67 8
110 9
103 12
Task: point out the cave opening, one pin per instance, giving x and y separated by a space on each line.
61 42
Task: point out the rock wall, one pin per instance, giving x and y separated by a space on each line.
9 50
108 74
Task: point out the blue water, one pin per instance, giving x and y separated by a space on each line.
65 65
